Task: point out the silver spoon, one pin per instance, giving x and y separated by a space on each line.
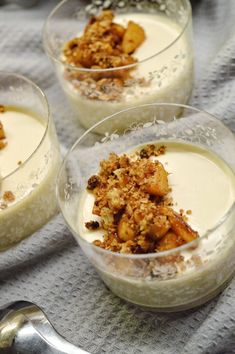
25 329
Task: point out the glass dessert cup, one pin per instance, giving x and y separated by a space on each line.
163 73
30 162
173 280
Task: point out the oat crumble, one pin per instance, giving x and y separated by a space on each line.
132 201
103 45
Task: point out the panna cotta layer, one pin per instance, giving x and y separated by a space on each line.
28 166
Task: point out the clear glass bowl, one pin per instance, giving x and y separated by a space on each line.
164 76
153 280
33 181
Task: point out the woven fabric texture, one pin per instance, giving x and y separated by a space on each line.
51 270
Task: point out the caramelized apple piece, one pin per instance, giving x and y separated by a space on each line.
158 184
160 227
118 31
133 37
169 241
181 228
125 231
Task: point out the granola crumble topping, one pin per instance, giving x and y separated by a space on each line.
103 45
135 210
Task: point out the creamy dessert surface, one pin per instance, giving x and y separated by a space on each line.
24 136
24 132
165 78
29 162
195 176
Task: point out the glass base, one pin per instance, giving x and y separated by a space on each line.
189 306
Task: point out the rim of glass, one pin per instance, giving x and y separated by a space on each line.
145 255
49 51
48 116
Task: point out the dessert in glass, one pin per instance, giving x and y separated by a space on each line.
153 207
29 159
114 55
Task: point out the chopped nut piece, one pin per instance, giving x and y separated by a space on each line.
8 196
92 225
2 109
133 37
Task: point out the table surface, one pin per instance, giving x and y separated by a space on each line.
50 269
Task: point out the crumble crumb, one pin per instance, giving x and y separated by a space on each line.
92 225
103 45
132 201
151 150
8 196
189 212
19 163
93 182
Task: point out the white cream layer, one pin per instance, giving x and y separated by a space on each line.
33 182
200 181
24 133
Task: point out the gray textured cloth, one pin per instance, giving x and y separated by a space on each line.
50 269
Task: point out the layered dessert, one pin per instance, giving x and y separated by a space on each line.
165 211
29 162
124 60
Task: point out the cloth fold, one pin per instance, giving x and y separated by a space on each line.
51 270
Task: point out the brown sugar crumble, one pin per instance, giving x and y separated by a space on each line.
103 45
8 196
3 142
135 210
